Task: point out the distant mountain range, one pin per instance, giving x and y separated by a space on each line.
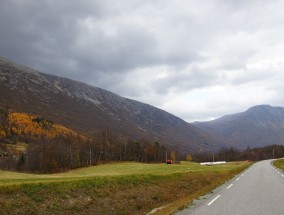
259 126
87 109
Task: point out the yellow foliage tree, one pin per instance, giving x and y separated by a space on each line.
25 124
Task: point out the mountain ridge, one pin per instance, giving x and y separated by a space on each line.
258 126
86 109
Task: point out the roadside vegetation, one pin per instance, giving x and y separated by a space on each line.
118 188
279 163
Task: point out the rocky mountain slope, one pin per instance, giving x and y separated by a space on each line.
87 109
258 126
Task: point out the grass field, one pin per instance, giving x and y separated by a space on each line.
279 163
115 169
118 188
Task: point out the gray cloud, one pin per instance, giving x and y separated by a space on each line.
193 53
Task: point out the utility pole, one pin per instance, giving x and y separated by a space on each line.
166 156
213 157
273 153
90 156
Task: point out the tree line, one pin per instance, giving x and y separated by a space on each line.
54 150
232 154
64 152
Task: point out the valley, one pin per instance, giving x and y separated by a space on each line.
68 147
141 107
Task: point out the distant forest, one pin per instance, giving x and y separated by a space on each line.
51 148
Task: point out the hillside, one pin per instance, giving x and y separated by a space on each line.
87 109
258 126
22 129
26 125
33 144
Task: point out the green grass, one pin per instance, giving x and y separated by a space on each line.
279 163
114 169
118 188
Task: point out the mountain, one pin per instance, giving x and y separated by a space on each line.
259 126
87 109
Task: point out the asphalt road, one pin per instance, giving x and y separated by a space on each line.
257 191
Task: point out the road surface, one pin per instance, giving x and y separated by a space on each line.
257 191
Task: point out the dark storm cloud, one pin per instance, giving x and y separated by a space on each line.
71 38
186 53
39 33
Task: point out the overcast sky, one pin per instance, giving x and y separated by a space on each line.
196 59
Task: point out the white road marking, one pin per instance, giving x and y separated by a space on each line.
230 186
243 174
238 179
210 203
282 176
